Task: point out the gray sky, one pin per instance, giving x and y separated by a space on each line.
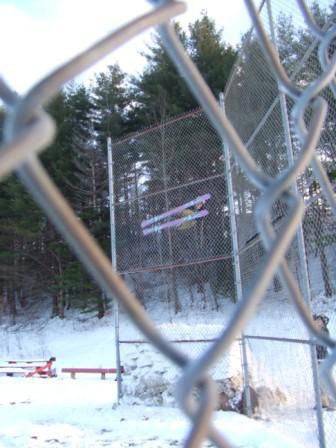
38 35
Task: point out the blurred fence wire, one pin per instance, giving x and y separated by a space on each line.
269 186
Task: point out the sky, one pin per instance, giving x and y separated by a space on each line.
37 36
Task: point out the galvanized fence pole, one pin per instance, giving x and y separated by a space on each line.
114 263
236 263
301 246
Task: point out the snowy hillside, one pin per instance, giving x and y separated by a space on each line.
61 412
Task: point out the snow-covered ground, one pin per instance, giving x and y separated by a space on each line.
61 412
80 413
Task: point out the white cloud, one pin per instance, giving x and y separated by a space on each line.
35 46
37 43
21 36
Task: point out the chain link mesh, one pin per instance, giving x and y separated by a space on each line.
263 179
196 253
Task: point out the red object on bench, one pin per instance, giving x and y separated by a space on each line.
43 370
101 370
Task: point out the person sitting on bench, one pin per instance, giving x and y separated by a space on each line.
43 370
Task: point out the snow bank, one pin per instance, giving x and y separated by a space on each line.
150 378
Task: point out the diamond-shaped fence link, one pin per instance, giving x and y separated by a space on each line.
279 128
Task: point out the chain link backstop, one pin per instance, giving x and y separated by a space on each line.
187 157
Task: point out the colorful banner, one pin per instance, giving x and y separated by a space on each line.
176 210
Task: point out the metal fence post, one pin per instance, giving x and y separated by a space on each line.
237 272
301 247
114 263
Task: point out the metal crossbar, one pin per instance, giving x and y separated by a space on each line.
28 130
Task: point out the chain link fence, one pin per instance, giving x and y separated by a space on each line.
275 138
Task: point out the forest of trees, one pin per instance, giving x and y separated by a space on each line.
35 262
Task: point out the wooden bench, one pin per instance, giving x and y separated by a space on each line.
13 371
102 371
28 368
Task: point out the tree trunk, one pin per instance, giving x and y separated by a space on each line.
138 288
190 285
177 303
325 273
22 298
101 306
54 312
61 304
12 305
276 284
319 233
